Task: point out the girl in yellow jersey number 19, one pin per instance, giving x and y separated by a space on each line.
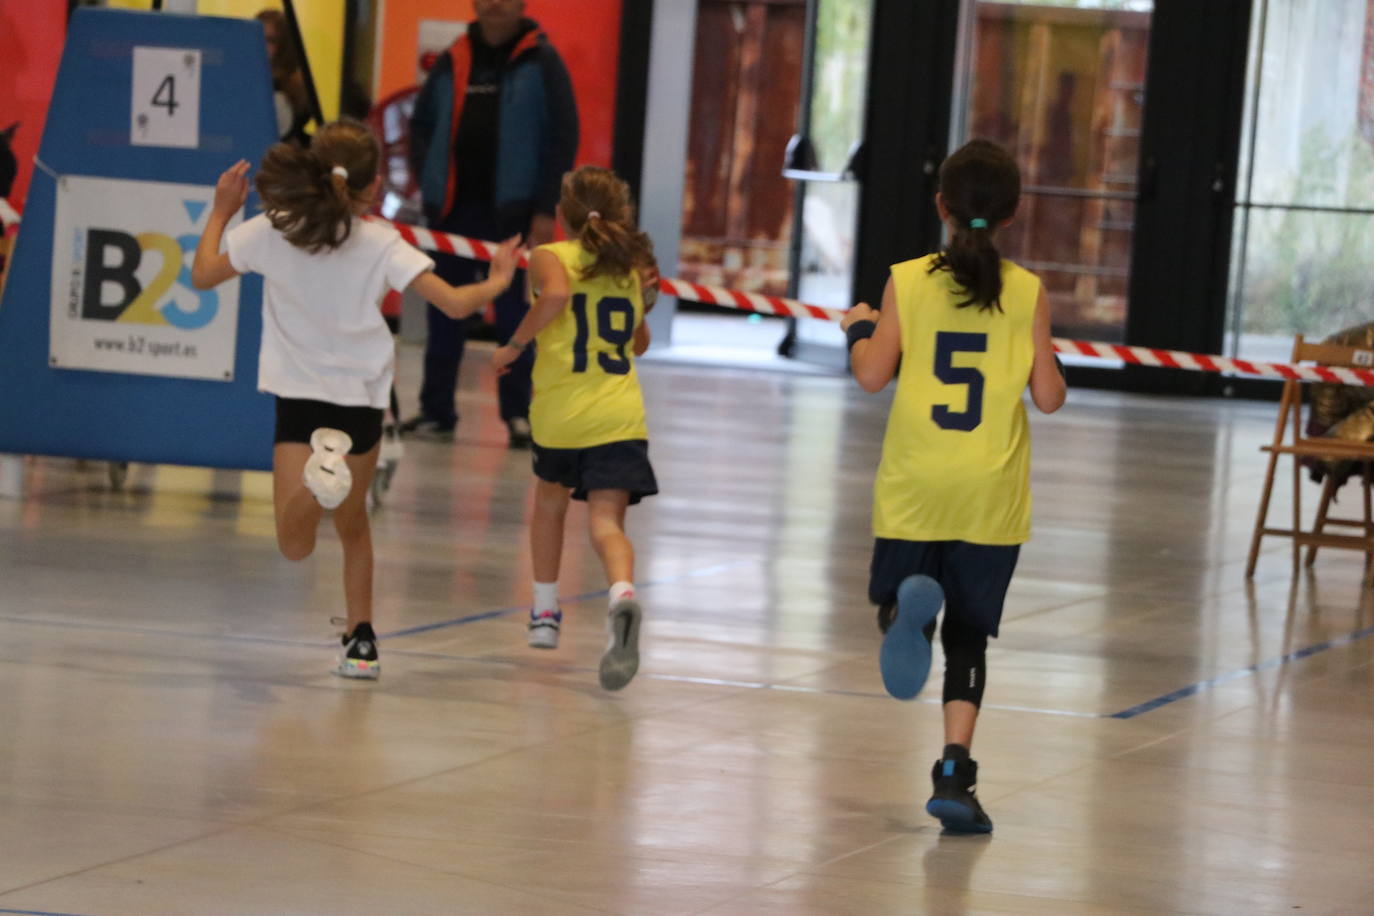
951 503
587 415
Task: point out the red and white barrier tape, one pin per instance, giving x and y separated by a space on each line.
447 243
791 308
1197 362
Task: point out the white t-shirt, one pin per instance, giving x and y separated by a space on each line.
323 335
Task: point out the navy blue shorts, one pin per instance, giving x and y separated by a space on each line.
975 577
613 466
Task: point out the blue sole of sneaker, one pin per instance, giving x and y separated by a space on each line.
955 817
904 658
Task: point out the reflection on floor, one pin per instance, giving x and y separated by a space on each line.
173 743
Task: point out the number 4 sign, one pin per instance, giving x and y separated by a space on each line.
165 109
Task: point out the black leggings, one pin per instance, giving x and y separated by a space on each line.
966 667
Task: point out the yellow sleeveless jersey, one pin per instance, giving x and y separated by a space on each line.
586 390
956 457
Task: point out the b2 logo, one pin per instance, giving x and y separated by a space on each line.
113 259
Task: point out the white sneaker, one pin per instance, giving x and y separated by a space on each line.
544 629
326 472
621 661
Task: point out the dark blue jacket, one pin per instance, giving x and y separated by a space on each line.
537 131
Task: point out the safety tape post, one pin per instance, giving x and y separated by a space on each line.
478 250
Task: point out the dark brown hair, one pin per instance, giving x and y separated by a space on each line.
597 208
283 62
306 200
981 186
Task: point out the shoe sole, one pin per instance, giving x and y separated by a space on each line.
329 448
621 661
955 817
353 671
904 658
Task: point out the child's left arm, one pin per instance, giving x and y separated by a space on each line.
874 359
211 266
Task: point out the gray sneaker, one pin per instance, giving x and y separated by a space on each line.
621 659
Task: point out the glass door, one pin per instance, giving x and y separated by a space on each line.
821 160
1061 84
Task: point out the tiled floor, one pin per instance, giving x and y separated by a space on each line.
173 742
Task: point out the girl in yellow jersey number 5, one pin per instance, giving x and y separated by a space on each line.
587 416
951 503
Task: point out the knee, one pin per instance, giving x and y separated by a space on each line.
351 522
295 549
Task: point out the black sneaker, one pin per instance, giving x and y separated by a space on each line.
359 657
427 430
520 435
953 800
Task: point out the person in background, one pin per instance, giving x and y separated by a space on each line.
494 130
288 82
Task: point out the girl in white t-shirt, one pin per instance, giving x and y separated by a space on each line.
327 353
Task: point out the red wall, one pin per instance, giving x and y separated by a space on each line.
31 37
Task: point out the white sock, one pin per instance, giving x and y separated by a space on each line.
545 597
620 591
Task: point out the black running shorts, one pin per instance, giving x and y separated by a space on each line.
297 419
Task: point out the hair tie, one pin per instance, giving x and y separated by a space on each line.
978 223
595 214
340 171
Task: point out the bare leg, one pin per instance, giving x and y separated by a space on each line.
355 533
546 529
960 718
606 510
297 511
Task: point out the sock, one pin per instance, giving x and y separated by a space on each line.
620 591
545 597
955 752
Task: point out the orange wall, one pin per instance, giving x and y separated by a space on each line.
590 53
31 39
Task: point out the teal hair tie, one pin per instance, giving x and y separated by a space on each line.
978 223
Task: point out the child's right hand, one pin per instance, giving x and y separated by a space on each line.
505 260
860 312
231 191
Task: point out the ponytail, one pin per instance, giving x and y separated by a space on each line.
980 187
311 195
617 248
973 259
596 206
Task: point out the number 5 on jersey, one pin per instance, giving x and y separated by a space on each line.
615 326
947 344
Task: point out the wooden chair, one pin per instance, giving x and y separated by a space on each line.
1301 446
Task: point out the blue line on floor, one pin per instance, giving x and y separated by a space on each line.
585 596
1203 686
36 913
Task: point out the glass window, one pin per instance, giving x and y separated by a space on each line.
1304 229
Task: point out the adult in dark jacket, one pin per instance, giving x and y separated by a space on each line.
495 128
